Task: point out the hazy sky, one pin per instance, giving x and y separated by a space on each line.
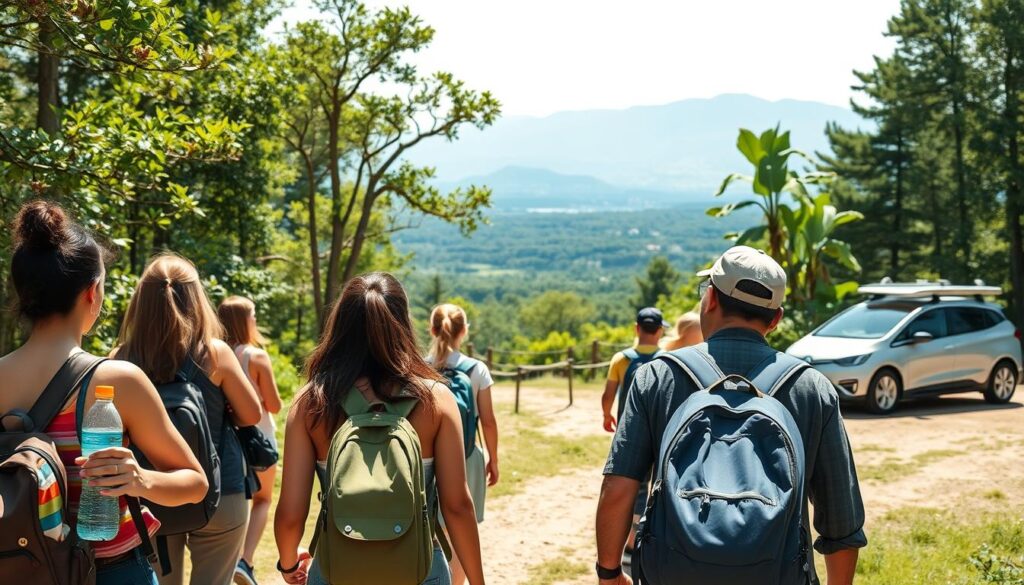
544 56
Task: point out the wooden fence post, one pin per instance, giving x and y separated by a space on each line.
519 378
595 357
569 360
490 358
469 349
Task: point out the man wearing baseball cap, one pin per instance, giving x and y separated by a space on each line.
741 302
650 326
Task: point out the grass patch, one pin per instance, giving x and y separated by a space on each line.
559 569
527 452
921 545
872 448
893 468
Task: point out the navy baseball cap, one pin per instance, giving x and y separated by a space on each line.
651 316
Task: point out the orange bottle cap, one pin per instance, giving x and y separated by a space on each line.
104 392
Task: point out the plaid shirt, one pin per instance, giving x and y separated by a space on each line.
831 476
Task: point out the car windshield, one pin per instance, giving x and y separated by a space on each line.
866 320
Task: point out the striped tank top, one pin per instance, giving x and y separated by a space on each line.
63 432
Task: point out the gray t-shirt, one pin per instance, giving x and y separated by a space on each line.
832 486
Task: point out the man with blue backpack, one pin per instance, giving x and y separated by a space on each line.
740 437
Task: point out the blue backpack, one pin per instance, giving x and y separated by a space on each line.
636 359
728 496
462 388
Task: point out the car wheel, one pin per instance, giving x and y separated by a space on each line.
884 392
1002 383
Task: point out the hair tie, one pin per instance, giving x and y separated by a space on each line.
169 282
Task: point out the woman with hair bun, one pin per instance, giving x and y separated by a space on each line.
449 329
170 321
58 273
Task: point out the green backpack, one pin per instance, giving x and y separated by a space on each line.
374 525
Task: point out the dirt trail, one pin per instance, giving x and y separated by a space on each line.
933 453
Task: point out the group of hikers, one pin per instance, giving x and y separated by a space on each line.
719 439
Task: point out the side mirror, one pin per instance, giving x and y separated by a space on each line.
922 337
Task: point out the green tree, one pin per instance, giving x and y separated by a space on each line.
555 311
659 281
878 165
339 126
1001 43
934 37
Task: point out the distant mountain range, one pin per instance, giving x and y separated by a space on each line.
540 190
611 157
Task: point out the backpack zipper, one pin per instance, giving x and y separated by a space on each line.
705 495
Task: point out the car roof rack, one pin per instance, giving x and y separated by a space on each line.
924 288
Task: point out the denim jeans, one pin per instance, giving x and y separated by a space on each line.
133 570
440 574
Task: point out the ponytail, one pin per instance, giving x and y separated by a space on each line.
168 320
447 325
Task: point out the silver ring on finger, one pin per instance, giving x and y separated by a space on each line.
117 469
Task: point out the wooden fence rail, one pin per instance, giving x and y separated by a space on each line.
568 367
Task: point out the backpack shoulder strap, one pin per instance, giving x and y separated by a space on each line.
466 365
403 407
777 369
189 369
696 364
631 353
73 376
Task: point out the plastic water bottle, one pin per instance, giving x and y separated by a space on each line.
99 516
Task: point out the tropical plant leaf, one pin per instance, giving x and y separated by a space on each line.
728 181
841 251
845 289
751 235
845 217
731 207
750 146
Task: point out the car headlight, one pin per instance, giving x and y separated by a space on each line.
853 360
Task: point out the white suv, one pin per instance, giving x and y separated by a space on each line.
913 340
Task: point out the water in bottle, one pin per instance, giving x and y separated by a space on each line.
98 515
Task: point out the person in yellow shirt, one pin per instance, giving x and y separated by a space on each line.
650 326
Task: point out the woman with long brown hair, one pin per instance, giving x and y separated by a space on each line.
169 322
369 346
238 316
58 273
449 329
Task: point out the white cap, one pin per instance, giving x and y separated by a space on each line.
741 263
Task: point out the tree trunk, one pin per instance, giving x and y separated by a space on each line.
897 219
1014 173
314 244
964 221
360 234
47 81
337 225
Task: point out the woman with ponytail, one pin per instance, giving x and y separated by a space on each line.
58 273
169 322
448 331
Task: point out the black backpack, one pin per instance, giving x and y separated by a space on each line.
183 399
